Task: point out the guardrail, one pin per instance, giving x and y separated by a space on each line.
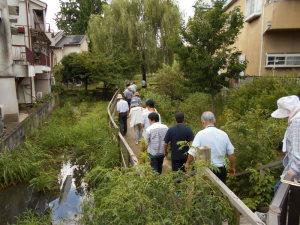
128 158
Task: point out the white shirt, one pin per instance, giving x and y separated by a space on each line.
136 116
146 121
154 136
218 142
133 88
122 106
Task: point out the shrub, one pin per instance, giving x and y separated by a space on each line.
140 196
170 82
193 107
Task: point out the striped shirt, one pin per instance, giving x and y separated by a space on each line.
154 137
292 157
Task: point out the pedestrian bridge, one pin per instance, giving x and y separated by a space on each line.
278 210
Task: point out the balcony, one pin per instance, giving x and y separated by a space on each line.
282 15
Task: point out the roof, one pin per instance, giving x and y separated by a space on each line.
70 40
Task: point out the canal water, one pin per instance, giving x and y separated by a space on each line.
65 208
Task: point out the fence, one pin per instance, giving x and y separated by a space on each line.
128 158
16 136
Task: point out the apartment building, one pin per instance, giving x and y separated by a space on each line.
270 39
27 57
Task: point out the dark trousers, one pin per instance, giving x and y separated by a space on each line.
123 123
129 102
294 206
156 162
178 165
221 174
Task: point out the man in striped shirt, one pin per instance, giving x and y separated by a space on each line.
154 136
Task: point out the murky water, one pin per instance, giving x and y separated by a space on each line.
65 207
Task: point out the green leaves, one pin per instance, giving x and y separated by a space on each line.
140 196
206 55
73 16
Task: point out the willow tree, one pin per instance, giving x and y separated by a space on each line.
147 30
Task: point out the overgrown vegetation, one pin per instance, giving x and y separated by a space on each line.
244 113
31 218
77 130
140 196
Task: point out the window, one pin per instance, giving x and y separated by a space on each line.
253 9
13 10
283 60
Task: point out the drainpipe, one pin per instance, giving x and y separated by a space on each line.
27 18
262 38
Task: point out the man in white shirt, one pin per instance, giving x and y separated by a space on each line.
122 109
219 144
154 137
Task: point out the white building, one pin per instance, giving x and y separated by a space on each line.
26 58
64 45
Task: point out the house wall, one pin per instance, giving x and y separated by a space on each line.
43 83
276 30
8 96
248 41
8 99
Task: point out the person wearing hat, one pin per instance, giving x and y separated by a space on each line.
289 107
122 109
136 100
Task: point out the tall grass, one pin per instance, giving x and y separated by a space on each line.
76 131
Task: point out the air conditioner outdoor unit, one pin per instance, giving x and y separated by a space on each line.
39 95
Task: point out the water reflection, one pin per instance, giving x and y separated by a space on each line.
67 208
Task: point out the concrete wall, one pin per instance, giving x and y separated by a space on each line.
27 127
8 96
8 99
43 83
283 14
5 42
26 91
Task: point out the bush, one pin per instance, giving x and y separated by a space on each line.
140 196
193 107
170 82
31 218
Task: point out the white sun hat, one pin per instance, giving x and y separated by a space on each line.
119 96
286 105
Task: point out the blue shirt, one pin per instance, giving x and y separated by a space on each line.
218 142
179 132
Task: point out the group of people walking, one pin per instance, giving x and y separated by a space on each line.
160 140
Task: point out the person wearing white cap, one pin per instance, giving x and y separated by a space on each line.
289 107
122 109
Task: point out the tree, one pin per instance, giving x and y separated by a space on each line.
207 56
146 30
74 15
75 68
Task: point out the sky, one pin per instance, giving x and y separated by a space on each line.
186 8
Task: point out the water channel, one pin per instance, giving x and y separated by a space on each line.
65 207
